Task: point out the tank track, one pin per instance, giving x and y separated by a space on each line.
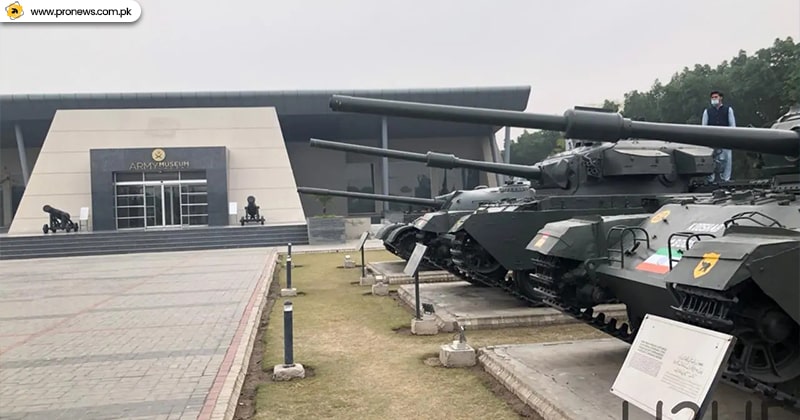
548 268
545 271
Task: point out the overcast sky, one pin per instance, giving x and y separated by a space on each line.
569 52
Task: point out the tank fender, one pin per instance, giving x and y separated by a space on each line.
459 224
384 231
574 239
393 235
721 263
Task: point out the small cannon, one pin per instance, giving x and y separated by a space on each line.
59 219
252 214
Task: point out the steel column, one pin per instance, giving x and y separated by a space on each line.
23 157
385 160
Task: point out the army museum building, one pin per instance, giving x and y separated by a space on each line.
159 160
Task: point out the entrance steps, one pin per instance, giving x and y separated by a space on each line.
62 244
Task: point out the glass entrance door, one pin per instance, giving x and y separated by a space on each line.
163 205
158 200
171 198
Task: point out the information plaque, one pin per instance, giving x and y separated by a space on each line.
363 240
415 259
233 208
674 364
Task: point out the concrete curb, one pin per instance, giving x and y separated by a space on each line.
500 368
446 320
439 276
223 397
332 250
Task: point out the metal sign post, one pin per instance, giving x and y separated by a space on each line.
412 269
361 241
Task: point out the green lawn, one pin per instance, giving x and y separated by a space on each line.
362 367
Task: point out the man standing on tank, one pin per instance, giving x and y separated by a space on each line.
720 115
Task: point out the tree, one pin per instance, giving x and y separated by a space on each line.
760 88
533 147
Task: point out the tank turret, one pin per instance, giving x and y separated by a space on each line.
424 202
434 159
590 125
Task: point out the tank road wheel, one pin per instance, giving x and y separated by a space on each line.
769 350
525 286
473 258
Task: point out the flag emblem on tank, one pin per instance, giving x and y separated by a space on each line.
659 262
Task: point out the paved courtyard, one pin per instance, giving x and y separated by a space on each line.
150 336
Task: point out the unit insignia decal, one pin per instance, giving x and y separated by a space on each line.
706 264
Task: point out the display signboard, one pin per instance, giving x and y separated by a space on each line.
233 209
363 240
674 365
416 257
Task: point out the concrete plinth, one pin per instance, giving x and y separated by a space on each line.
457 354
349 263
425 326
571 380
380 289
289 292
371 279
489 308
287 373
392 271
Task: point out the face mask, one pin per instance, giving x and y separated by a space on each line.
715 102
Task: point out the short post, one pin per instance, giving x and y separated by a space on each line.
288 355
416 293
363 264
289 369
289 271
289 290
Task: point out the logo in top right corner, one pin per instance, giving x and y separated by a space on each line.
706 264
14 11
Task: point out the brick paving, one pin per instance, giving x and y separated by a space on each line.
139 336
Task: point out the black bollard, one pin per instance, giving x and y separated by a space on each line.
416 292
288 355
289 271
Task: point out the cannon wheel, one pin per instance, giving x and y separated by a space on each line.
262 220
68 227
45 229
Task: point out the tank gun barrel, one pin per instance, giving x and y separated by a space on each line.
587 125
433 159
429 202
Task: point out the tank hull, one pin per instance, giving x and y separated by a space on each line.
722 263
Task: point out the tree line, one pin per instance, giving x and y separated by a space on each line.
760 87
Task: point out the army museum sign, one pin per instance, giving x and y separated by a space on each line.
159 163
159 187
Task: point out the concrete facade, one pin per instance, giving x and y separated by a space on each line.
29 120
258 163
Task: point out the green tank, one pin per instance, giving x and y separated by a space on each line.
727 261
613 177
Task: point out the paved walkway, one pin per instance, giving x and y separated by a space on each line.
150 336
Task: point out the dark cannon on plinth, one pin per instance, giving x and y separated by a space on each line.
252 215
59 219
